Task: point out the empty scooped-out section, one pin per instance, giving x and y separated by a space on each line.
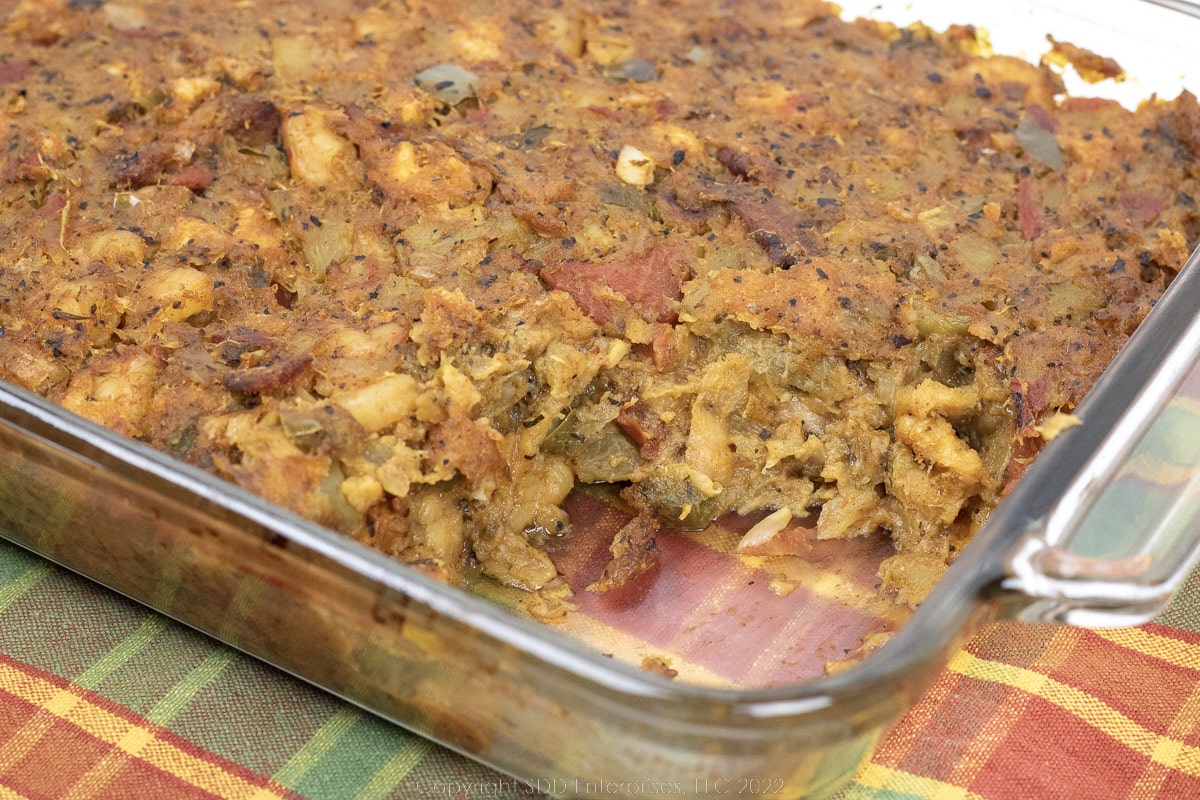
792 617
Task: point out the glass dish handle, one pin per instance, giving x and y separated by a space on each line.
1124 532
1128 552
1191 7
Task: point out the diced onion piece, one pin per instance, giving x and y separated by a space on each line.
772 536
637 70
635 167
117 248
361 492
1040 143
190 91
617 350
1055 425
298 424
382 403
448 82
317 154
173 295
766 529
125 17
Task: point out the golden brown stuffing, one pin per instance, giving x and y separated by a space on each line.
416 269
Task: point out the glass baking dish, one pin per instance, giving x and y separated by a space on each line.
1100 531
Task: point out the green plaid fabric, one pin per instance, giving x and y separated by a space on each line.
233 715
101 698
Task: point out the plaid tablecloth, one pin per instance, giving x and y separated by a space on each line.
101 698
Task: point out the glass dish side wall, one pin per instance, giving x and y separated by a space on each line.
362 627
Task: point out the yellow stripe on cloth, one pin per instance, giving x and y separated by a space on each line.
1154 776
9 794
43 695
877 776
140 741
1164 648
1095 712
109 766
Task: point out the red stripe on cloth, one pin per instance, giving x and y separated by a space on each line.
1051 753
1103 670
61 754
909 731
1191 637
136 778
65 754
942 740
75 750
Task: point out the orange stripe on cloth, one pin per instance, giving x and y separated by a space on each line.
974 758
50 700
1163 749
910 730
939 714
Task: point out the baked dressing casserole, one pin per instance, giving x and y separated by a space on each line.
416 270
